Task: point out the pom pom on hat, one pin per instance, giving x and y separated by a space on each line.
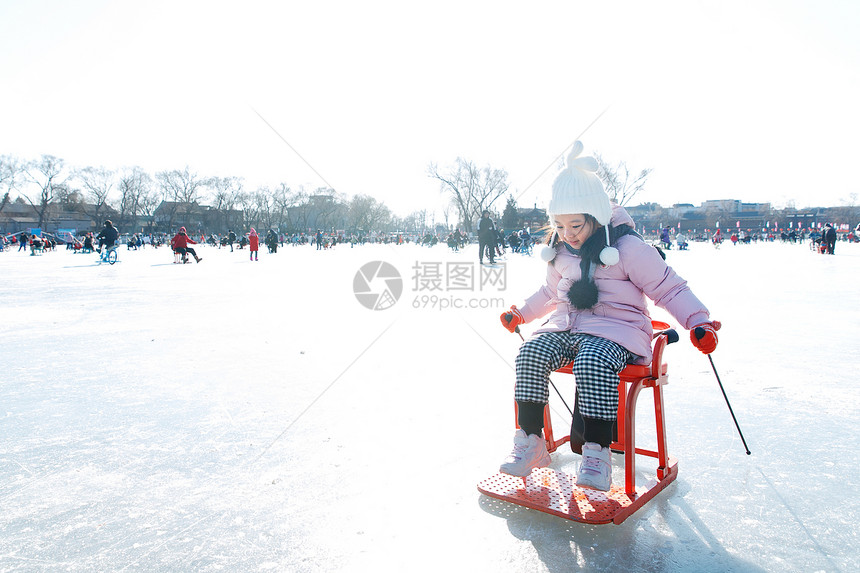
548 252
609 255
578 189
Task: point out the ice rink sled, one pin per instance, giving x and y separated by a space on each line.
555 492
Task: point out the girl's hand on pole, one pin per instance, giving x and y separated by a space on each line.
704 336
512 319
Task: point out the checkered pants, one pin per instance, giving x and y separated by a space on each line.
596 364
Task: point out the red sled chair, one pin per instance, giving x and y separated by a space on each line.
180 256
555 492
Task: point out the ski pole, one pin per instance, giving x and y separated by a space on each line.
700 332
517 330
563 401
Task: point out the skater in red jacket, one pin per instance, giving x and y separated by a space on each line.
180 242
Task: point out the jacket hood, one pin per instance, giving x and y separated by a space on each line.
620 216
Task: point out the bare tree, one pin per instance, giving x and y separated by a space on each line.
183 186
472 189
328 205
98 183
148 203
300 212
135 187
179 189
69 198
367 214
249 209
414 222
225 195
620 185
421 219
48 175
847 212
284 200
263 207
446 213
11 170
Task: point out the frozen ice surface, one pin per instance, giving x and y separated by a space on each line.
253 416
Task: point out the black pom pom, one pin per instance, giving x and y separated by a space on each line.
583 294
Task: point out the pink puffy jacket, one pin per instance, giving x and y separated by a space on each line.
621 313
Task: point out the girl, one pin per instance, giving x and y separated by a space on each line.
254 242
599 272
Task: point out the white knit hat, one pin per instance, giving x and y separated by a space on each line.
578 190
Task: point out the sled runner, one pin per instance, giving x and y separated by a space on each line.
555 492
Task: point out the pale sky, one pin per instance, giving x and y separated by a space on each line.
757 101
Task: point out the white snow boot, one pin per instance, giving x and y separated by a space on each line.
595 471
529 453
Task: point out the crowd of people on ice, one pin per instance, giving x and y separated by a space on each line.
23 240
822 239
492 241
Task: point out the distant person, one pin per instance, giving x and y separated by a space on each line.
525 241
180 242
272 241
22 241
665 238
36 244
829 238
254 244
453 242
499 243
486 238
717 239
107 236
514 241
231 238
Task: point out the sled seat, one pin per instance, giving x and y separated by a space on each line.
180 256
633 379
